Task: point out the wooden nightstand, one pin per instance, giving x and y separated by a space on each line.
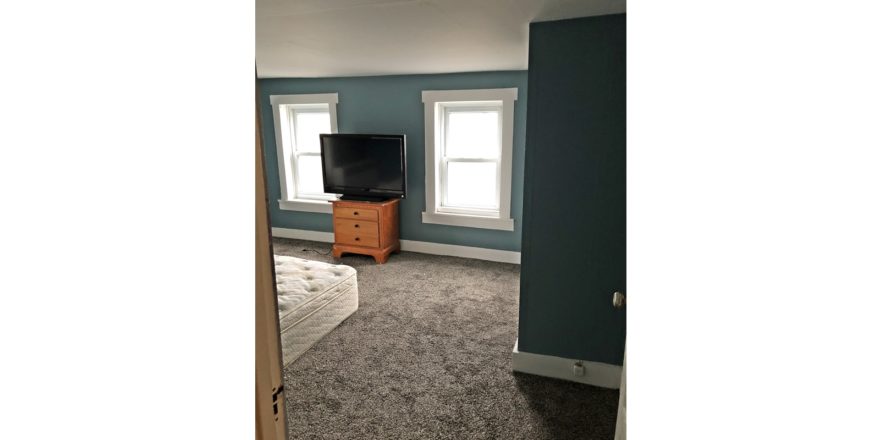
367 228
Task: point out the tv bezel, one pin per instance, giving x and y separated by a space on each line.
365 192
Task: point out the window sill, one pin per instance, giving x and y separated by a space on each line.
319 206
470 221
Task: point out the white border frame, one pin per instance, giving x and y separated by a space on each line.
284 153
432 100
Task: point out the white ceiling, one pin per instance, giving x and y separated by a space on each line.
317 38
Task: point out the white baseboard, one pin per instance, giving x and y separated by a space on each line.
595 373
424 247
302 234
427 247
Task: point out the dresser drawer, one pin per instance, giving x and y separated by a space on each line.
356 232
356 213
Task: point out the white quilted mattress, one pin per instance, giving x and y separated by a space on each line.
313 298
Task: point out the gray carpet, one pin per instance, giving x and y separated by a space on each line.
427 355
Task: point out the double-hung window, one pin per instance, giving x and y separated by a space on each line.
299 122
468 146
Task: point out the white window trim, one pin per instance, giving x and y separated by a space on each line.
306 205
284 150
432 214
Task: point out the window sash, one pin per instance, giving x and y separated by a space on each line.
299 194
293 110
464 209
450 107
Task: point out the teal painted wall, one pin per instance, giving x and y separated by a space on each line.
574 233
393 104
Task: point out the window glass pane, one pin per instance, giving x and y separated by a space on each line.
471 185
310 124
472 134
308 169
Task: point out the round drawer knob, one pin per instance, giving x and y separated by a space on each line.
355 213
357 225
357 239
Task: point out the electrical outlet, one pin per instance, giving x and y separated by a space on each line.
578 369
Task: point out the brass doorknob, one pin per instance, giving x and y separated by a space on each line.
618 300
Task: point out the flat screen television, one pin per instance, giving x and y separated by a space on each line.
364 166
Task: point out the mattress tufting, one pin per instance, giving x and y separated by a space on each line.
313 298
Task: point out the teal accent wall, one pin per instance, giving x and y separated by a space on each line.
393 104
574 233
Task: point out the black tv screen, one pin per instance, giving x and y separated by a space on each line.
367 166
